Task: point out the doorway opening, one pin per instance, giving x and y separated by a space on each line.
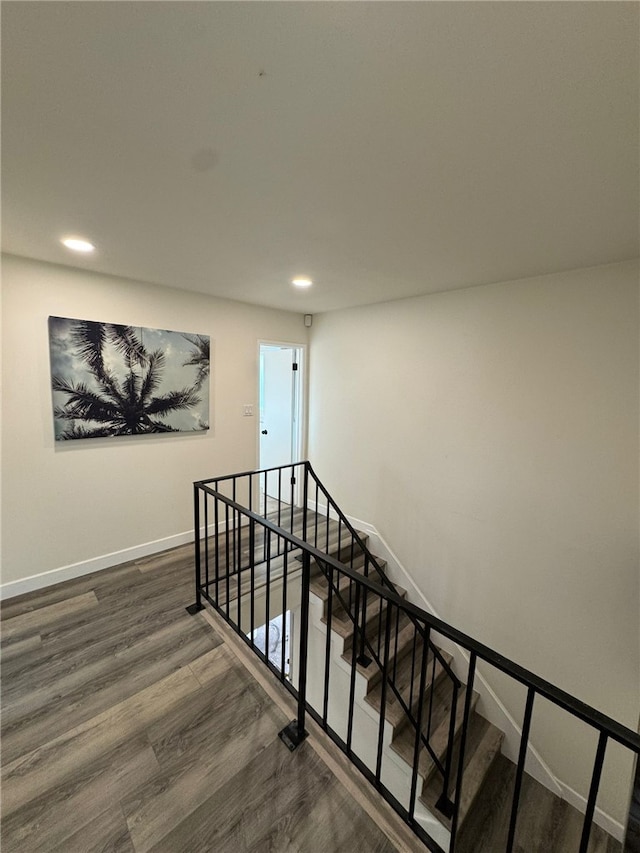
281 414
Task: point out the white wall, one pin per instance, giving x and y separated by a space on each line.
491 436
71 502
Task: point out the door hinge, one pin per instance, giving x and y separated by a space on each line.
293 481
294 366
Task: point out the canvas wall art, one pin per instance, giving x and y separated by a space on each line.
109 380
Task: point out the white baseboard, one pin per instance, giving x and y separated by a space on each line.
602 818
95 564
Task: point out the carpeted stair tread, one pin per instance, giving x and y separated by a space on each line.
338 544
404 742
483 745
319 585
398 649
343 626
407 687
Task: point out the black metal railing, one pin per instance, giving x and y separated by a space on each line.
265 541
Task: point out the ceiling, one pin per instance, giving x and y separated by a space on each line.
385 149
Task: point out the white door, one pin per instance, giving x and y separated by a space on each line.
279 411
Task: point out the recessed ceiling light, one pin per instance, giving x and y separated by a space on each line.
302 282
77 244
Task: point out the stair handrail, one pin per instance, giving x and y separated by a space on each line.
585 712
606 726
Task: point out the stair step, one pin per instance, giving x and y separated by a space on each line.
343 626
478 768
546 824
345 554
343 584
401 644
320 585
483 745
341 547
404 742
408 688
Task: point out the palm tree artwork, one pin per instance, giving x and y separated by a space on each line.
110 379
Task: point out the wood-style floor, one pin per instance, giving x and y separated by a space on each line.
129 725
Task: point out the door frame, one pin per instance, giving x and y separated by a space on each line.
299 443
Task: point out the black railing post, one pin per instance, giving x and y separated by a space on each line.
305 498
252 579
363 659
194 608
445 803
593 792
418 739
522 757
463 745
293 734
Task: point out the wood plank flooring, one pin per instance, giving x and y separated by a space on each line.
546 824
129 725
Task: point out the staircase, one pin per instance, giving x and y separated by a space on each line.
367 667
487 776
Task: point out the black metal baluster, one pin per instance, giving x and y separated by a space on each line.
315 538
265 531
383 694
420 710
197 605
413 661
293 734
206 543
293 480
216 556
305 498
431 695
463 745
285 566
267 599
526 726
445 803
363 658
379 645
233 515
352 686
279 496
326 547
226 525
252 571
395 655
327 649
239 571
593 792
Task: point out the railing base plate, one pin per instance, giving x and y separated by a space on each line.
445 805
194 608
291 736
